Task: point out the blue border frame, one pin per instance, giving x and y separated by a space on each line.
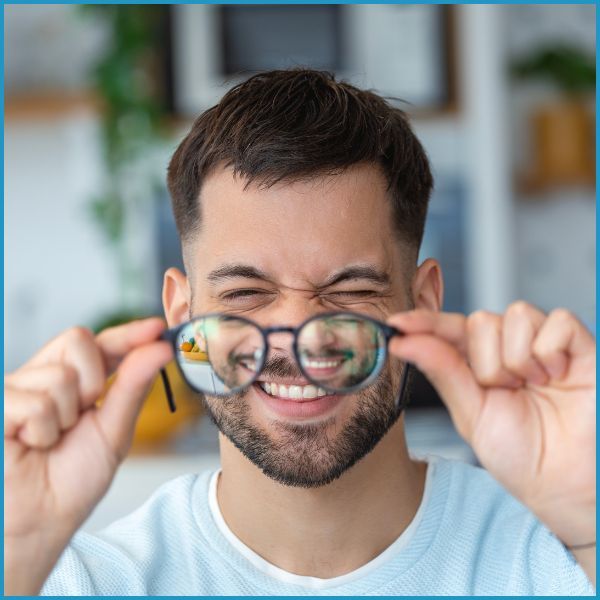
597 287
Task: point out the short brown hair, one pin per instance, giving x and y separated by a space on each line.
293 124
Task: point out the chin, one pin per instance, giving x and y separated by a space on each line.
305 450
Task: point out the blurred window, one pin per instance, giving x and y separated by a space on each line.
253 37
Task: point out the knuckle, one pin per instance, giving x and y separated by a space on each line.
42 406
60 376
561 315
520 308
478 319
68 376
95 383
514 361
42 437
486 373
79 335
487 377
540 349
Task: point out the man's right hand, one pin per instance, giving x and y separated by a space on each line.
61 450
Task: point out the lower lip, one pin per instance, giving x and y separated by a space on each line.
296 409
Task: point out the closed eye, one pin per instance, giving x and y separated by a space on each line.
353 293
240 294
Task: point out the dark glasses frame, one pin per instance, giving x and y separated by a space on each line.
171 335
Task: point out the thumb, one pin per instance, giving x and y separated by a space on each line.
124 399
448 372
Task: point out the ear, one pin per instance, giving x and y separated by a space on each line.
428 285
176 297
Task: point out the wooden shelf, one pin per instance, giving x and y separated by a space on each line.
49 104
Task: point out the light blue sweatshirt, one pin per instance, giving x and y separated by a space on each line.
468 537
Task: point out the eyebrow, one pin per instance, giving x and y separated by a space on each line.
366 272
235 271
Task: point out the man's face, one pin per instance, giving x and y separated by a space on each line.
278 256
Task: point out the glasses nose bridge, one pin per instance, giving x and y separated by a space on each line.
279 329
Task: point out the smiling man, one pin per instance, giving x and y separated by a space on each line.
295 197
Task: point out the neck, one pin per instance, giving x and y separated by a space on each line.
326 531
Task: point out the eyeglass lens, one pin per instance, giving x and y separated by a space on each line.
222 354
340 352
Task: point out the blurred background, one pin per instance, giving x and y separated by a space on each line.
98 97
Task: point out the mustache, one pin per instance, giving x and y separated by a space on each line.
280 366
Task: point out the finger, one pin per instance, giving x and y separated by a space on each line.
116 342
60 382
448 372
451 327
94 358
561 337
76 348
520 325
484 351
31 417
124 399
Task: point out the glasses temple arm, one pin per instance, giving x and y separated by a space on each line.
169 336
168 390
400 400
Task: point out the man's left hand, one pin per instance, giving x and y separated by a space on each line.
521 390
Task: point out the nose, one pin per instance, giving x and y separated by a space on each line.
292 315
280 342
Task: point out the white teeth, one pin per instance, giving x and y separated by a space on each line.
309 391
322 364
293 391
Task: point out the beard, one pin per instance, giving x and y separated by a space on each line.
309 455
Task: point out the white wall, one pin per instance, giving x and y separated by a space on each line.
58 272
555 231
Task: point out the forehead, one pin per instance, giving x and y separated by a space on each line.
299 231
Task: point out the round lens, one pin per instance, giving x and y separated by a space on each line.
340 352
220 354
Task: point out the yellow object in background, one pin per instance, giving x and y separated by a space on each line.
198 355
156 423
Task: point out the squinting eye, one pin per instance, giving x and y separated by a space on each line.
356 294
239 294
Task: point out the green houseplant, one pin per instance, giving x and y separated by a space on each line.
562 129
128 80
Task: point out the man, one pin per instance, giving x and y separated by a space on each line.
298 195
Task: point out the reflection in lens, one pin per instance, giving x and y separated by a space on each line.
341 351
220 354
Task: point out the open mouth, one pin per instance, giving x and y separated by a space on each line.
292 392
296 401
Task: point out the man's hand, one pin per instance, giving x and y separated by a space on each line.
521 390
61 450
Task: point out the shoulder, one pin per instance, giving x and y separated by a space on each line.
477 511
472 490
122 558
506 545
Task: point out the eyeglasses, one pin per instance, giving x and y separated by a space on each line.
221 355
